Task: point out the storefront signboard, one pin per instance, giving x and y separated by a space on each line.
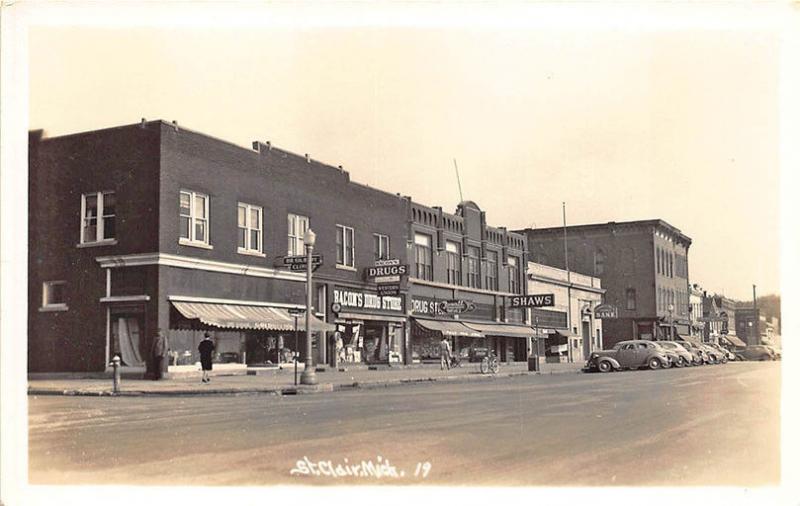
381 270
426 306
356 299
388 289
540 300
604 311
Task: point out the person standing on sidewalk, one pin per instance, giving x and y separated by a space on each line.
159 354
444 353
206 349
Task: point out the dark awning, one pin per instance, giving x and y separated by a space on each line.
733 340
565 333
499 329
447 327
690 339
239 316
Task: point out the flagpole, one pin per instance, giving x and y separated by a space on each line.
569 280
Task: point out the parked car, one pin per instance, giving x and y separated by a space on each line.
756 352
729 355
776 352
699 355
628 355
673 358
684 358
714 355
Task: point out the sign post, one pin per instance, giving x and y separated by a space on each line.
296 312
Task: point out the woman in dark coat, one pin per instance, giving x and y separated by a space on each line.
206 349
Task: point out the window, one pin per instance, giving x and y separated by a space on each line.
249 219
491 270
658 260
423 260
671 259
381 243
453 262
599 262
345 246
98 217
630 299
53 295
473 267
513 275
193 218
297 228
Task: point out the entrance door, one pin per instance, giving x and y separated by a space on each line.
126 337
586 332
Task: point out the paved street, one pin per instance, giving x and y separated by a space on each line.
709 425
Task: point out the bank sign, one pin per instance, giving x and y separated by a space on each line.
541 300
366 301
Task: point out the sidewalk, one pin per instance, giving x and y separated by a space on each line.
281 382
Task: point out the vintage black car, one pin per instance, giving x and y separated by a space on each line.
628 355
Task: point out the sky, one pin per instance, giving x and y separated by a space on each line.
680 124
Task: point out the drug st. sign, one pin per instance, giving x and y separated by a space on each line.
539 300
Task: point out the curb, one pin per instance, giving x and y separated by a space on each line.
292 389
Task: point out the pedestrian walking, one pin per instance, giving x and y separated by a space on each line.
444 353
159 353
206 349
339 348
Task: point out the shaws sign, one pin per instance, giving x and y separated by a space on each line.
541 300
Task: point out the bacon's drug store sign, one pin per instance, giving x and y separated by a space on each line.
354 299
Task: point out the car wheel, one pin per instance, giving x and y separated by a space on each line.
654 363
679 362
724 360
604 366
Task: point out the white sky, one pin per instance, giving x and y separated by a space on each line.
680 124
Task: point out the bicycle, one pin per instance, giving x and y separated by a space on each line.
490 364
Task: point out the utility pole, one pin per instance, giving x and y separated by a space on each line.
755 318
566 267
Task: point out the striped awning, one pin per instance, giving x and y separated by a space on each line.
237 316
498 329
734 340
447 327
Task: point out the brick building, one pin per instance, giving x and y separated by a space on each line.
643 266
458 257
150 226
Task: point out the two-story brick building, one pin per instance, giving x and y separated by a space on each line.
643 266
152 226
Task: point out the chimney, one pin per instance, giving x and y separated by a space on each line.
143 123
175 125
262 147
308 158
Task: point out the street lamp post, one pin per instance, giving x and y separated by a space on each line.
308 377
670 309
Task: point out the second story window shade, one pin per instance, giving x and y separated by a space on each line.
250 233
194 218
297 227
98 217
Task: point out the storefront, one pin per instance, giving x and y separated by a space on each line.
244 332
370 328
470 326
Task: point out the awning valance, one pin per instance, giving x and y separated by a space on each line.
447 327
497 329
690 339
564 333
734 340
238 316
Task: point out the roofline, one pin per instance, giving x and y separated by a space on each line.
657 222
508 230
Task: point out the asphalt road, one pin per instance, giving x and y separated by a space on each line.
711 425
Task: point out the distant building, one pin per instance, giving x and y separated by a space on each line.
572 329
764 332
696 324
643 266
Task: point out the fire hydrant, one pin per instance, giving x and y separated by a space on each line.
115 363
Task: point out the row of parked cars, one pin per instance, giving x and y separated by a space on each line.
664 354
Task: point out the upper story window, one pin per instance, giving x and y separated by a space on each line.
599 262
671 260
491 270
658 260
297 228
345 246
630 299
193 217
381 246
250 228
453 250
53 295
473 267
513 275
98 217
423 259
